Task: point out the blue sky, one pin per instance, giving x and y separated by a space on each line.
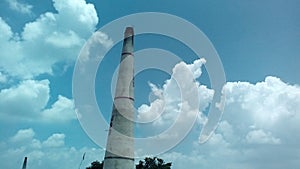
257 42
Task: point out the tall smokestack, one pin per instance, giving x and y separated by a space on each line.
24 163
119 149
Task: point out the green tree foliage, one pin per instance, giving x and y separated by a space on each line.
153 163
96 165
147 163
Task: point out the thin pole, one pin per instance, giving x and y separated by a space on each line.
81 160
24 163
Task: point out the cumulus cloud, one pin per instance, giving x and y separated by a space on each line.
95 47
180 98
51 152
178 103
258 129
56 140
23 135
6 32
50 39
27 101
19 7
261 137
176 106
272 106
61 110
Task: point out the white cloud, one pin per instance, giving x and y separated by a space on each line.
27 101
271 105
51 152
249 136
181 160
258 129
178 104
61 110
19 7
56 140
181 93
23 135
77 14
6 32
52 38
94 49
261 137
63 40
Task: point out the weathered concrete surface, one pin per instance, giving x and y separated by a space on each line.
120 143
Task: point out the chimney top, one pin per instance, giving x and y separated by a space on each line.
128 32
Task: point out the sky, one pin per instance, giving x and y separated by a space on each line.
257 43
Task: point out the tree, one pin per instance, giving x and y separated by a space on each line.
153 163
96 165
147 163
